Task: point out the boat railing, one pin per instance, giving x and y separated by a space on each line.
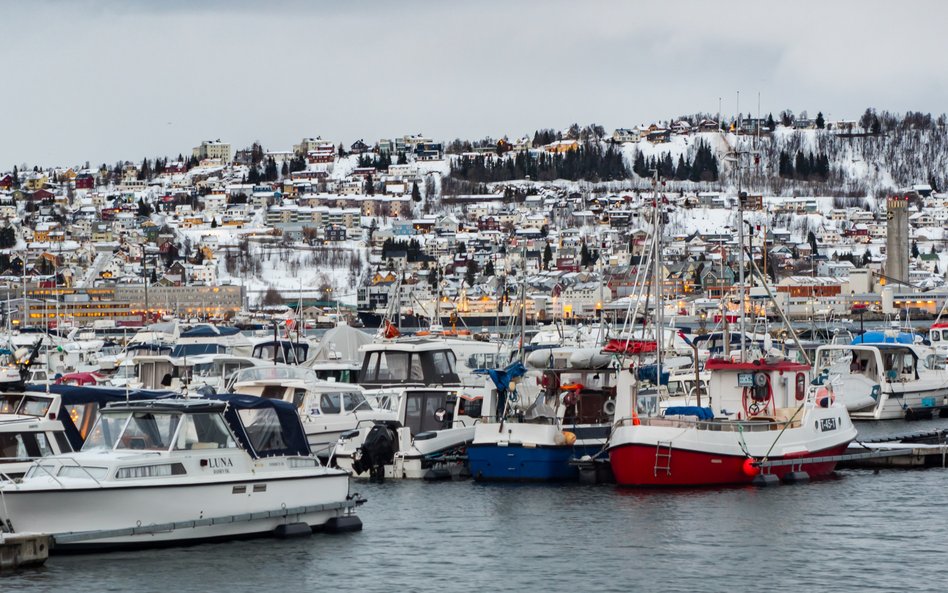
45 468
77 464
711 425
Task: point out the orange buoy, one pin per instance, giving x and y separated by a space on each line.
569 438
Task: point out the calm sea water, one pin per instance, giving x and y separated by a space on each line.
861 531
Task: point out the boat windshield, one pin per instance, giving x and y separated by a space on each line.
125 371
143 431
338 401
271 373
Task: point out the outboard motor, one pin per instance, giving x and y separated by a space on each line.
377 451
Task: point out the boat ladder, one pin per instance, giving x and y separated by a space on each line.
663 457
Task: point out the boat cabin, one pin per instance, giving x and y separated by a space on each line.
300 387
756 390
261 427
882 363
282 351
421 362
36 424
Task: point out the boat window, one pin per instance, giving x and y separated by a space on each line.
329 403
13 448
421 409
353 400
393 366
62 442
935 336
23 446
470 407
43 445
416 374
151 471
84 471
34 406
126 371
149 431
443 363
299 395
8 403
106 431
263 428
204 431
82 416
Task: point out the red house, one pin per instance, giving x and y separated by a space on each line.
85 181
41 195
6 182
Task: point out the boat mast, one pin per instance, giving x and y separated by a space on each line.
659 299
740 252
523 302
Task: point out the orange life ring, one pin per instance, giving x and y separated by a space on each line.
572 387
824 397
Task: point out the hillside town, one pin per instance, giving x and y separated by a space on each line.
403 227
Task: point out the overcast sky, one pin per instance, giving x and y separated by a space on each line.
103 80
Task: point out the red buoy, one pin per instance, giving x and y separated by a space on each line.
750 470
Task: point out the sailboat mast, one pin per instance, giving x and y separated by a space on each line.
659 299
740 253
523 303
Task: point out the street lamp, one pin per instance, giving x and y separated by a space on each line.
858 309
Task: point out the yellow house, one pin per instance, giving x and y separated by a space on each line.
561 146
36 181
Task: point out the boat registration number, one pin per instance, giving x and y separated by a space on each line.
827 424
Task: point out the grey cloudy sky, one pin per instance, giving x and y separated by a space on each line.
103 80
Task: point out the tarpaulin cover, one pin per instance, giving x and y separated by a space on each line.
880 337
623 346
701 413
648 373
275 429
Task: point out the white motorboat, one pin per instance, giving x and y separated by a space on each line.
170 472
884 381
435 414
327 408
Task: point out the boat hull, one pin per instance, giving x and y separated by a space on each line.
106 518
635 465
669 451
519 463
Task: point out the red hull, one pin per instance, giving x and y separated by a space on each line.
634 465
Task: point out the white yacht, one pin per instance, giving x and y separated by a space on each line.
884 381
169 472
327 408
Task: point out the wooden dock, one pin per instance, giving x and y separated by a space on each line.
21 550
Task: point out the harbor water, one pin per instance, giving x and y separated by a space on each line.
859 531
